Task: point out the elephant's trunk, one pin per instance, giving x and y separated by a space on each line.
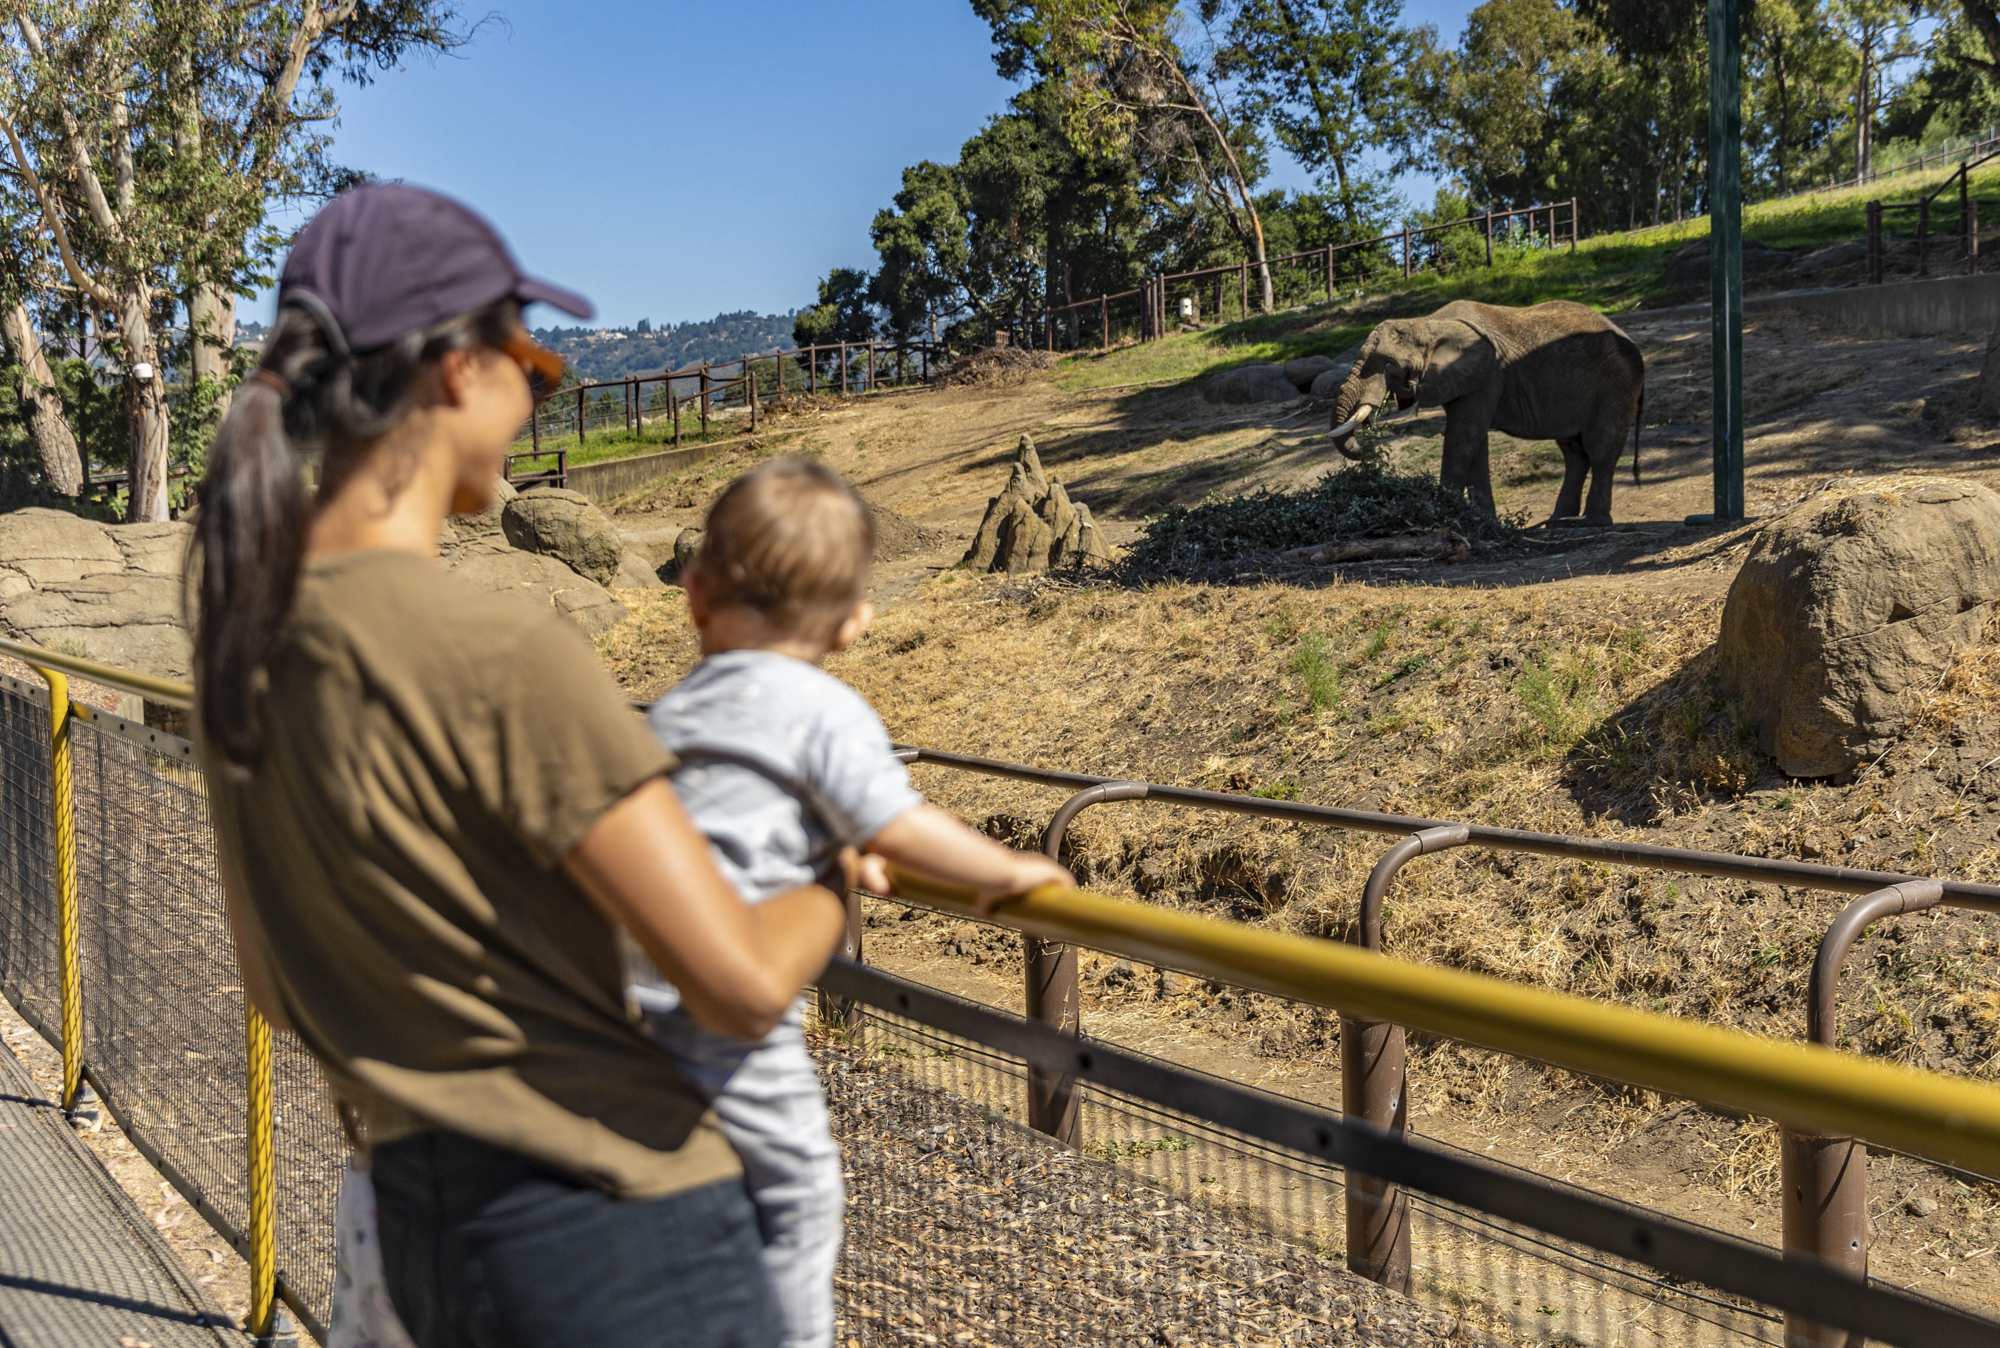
1359 397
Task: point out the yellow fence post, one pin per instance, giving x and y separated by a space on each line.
263 1180
69 954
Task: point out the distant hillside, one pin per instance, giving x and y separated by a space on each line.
611 353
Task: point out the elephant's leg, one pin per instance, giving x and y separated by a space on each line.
1466 465
1575 465
1601 450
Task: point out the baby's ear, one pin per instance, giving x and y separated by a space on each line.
853 625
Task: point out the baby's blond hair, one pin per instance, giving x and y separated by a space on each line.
792 540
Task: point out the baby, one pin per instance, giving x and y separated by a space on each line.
783 766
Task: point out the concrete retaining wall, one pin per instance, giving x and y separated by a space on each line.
1914 308
614 476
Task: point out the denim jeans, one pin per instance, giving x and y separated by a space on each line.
482 1248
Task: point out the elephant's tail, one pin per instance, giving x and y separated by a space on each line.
1637 422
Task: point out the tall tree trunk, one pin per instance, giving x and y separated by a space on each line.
55 443
145 408
1784 107
211 336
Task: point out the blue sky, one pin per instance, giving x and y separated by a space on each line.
677 160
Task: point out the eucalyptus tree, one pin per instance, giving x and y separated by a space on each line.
1131 88
1332 79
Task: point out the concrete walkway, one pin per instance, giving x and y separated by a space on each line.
80 1267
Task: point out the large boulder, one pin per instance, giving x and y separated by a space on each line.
1850 604
544 580
1258 383
1303 371
1689 264
566 526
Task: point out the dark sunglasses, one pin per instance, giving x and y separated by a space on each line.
543 367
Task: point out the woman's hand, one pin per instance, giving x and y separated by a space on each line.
738 966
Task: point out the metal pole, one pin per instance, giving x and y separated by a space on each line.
1489 238
674 398
1574 229
1725 256
535 428
1825 1179
263 1231
1050 989
1243 300
750 377
1406 252
703 395
1373 1087
1103 323
843 369
69 939
1965 214
579 415
1329 273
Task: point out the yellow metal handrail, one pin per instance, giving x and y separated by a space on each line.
1949 1119
170 692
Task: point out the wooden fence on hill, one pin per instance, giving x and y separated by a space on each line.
661 398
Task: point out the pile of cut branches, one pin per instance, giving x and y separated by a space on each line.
1361 501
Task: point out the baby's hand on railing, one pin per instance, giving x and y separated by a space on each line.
1028 871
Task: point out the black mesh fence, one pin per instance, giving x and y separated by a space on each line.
966 1226
28 965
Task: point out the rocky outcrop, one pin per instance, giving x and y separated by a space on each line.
540 580
568 527
112 592
1032 525
1851 604
108 591
1689 264
1259 383
1303 371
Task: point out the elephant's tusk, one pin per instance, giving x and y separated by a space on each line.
1361 415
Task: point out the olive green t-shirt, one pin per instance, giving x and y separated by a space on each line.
431 753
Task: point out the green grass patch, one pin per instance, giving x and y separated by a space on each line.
1316 668
1123 1149
600 446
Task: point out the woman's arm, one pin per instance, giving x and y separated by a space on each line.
738 966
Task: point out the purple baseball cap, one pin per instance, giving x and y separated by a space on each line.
385 259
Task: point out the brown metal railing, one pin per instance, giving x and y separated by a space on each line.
1967 233
1825 1209
833 367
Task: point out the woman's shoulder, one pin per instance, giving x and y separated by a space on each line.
404 609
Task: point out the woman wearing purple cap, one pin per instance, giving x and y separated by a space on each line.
432 806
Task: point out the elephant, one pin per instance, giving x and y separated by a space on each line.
1555 371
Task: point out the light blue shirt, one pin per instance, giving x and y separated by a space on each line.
781 766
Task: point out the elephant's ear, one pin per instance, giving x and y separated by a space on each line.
1460 360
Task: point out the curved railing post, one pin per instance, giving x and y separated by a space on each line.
69 936
1825 1179
1051 994
1372 1086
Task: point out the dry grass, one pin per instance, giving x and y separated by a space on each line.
1553 710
